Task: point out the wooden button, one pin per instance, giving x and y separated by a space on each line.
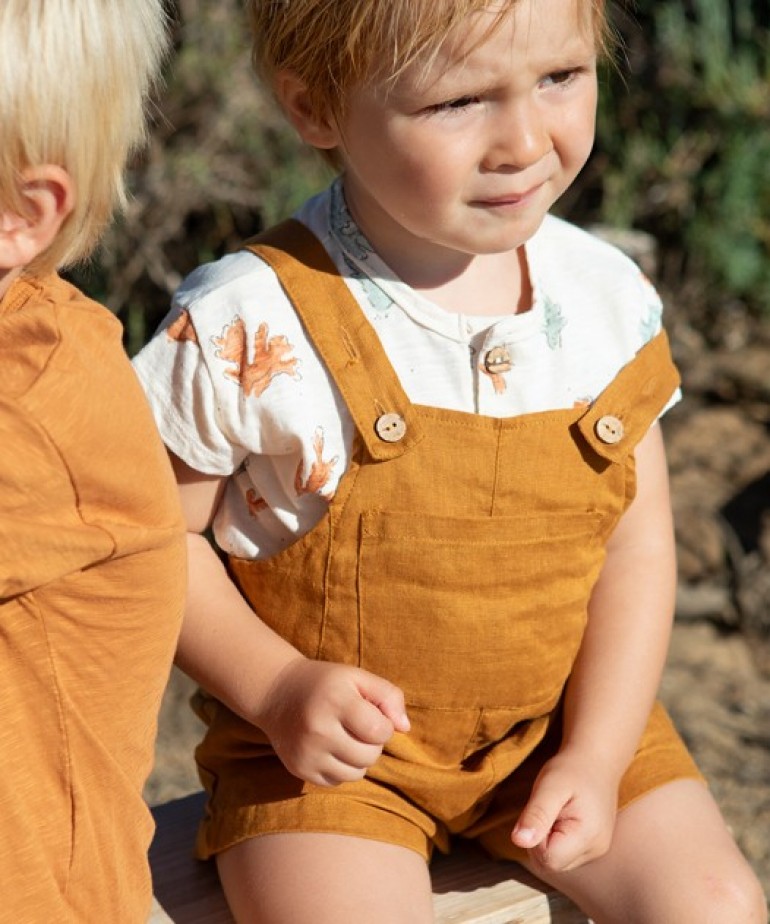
609 429
390 427
498 360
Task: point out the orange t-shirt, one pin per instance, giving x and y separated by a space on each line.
92 578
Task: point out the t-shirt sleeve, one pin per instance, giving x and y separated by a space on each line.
175 374
224 372
651 324
42 535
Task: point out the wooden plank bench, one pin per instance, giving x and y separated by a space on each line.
468 887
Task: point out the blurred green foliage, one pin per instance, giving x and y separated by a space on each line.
682 152
221 165
683 147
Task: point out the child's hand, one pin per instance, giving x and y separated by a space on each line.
329 722
570 816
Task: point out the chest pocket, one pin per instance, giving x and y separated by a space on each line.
469 613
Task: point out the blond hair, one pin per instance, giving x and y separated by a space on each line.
75 76
335 45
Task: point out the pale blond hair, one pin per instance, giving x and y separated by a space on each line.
335 45
75 76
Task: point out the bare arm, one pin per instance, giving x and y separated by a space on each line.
618 672
222 641
615 678
327 722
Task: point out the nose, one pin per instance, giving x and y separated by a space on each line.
520 137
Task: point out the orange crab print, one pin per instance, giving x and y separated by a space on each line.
498 382
320 471
255 503
182 329
270 357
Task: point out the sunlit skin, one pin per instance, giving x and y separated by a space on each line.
451 169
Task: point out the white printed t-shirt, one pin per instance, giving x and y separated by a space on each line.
238 390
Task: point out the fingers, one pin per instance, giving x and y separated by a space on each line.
329 759
367 723
559 834
329 722
378 712
356 746
388 699
540 814
553 839
568 849
346 765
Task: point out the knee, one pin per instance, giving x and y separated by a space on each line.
751 901
737 899
730 895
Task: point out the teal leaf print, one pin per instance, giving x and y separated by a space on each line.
555 322
650 324
374 294
345 229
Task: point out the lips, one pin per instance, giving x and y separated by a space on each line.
509 199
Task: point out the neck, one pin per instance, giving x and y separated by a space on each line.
460 282
7 278
490 284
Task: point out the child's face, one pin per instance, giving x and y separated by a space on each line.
467 157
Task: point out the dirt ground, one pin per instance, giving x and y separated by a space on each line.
721 705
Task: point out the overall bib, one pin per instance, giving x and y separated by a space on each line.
456 559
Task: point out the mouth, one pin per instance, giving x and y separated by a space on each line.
510 200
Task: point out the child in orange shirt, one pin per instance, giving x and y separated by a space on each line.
92 567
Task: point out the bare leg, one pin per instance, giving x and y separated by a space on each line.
672 861
326 879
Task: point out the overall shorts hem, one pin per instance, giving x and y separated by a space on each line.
373 811
355 814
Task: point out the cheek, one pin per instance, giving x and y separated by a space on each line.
416 181
433 160
577 134
587 119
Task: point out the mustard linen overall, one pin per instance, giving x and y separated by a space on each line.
457 561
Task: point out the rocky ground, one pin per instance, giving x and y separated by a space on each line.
717 683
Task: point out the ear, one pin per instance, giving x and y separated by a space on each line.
319 131
47 192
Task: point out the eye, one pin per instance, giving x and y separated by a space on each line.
560 78
454 105
566 77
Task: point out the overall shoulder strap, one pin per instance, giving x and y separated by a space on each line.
631 403
346 342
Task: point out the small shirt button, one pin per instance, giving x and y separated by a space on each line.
498 360
609 429
390 427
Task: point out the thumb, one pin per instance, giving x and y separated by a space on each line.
539 815
387 697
